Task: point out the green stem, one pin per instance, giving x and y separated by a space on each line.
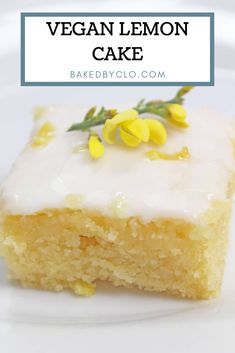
153 107
86 124
157 109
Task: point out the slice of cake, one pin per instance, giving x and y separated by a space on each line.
75 209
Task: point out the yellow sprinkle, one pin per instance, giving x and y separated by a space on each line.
38 112
157 131
80 148
96 148
83 288
181 155
138 128
44 135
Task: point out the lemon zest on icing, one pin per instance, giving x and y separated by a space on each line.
183 154
44 135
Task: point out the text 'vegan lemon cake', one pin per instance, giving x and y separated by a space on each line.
121 197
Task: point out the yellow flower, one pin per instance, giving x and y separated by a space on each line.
111 125
134 132
157 131
129 114
177 115
129 139
95 146
109 131
182 124
177 112
44 135
184 90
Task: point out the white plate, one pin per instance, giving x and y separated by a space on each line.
115 319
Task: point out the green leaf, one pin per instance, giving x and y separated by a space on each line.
90 113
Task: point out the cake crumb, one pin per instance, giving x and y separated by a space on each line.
196 274
58 288
19 248
176 251
111 236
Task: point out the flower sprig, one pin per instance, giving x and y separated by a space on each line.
133 128
92 119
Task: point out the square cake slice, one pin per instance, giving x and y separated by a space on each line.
68 221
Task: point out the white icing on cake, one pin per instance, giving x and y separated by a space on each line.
124 180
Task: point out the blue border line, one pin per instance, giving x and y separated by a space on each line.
117 14
22 50
212 49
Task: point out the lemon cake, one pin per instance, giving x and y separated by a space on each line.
154 219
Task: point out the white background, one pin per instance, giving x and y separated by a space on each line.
183 58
